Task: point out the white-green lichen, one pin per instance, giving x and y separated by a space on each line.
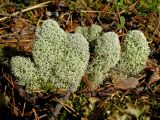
74 63
25 72
90 33
60 58
135 53
48 47
107 54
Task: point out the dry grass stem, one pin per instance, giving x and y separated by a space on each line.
28 9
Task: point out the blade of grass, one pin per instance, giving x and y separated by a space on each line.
27 9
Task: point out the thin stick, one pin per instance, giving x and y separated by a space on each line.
59 106
158 20
91 11
5 4
14 41
35 114
42 116
24 106
61 102
28 9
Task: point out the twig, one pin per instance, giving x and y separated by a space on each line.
7 4
42 116
84 3
35 114
7 78
91 11
158 20
13 99
14 41
6 14
59 105
24 106
8 35
61 102
28 9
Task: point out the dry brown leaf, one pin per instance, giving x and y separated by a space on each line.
155 76
89 85
125 84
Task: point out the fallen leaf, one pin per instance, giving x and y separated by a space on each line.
155 76
127 83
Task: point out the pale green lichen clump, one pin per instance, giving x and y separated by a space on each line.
135 53
60 58
90 33
72 66
107 54
48 48
25 72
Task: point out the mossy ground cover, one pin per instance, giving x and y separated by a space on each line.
18 21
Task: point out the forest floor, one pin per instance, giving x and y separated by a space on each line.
18 21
